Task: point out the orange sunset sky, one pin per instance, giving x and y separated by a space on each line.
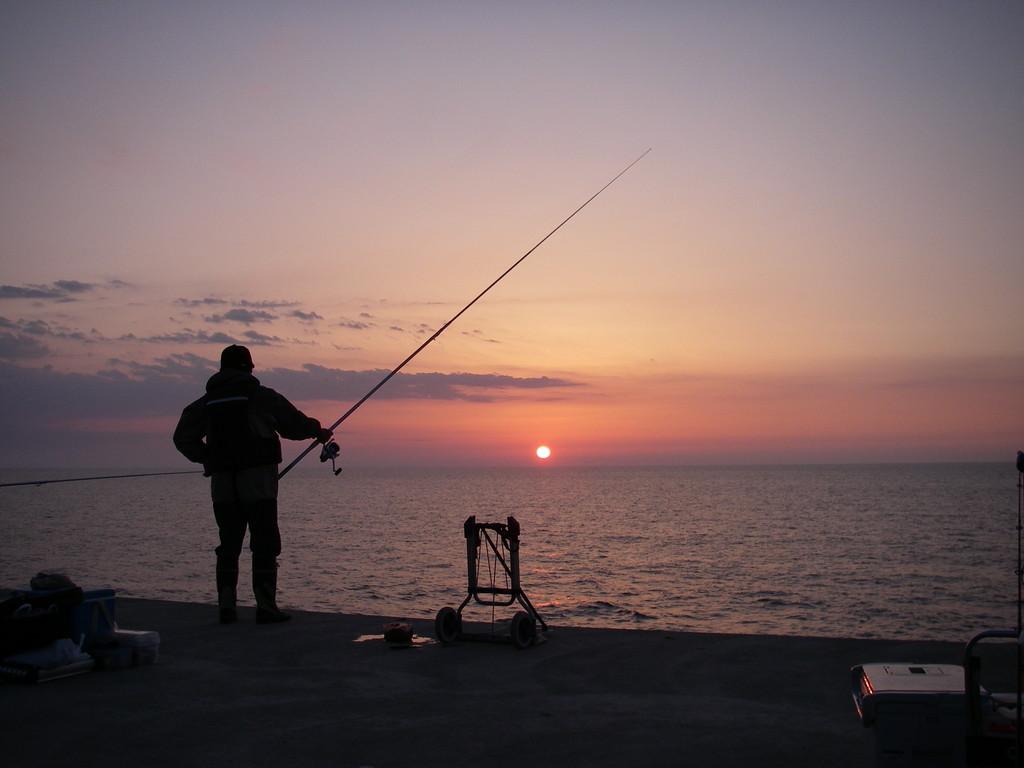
821 260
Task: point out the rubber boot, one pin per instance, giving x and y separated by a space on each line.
227 593
264 587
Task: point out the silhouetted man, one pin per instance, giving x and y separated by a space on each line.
233 432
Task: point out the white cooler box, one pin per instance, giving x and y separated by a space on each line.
918 712
144 645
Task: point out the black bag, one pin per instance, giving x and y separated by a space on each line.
35 619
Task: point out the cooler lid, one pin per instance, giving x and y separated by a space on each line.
911 678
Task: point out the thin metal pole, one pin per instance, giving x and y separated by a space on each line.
1019 730
457 315
1020 528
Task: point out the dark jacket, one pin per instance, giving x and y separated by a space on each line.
237 422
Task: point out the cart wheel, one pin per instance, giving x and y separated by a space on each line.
524 629
447 625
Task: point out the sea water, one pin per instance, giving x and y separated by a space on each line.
868 551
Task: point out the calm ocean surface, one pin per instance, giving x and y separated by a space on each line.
891 551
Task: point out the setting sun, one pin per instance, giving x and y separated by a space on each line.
543 452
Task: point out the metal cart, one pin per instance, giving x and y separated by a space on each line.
492 562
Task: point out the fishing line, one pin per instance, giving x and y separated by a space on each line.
457 315
99 477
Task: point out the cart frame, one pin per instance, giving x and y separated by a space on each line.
502 543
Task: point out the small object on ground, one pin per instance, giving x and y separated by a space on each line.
398 632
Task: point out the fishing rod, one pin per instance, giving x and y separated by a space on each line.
331 450
100 477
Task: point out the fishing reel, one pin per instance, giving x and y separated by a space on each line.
330 452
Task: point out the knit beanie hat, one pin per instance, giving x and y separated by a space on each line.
236 357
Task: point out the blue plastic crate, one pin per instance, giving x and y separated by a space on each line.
94 617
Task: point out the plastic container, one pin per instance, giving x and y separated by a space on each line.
918 712
95 616
145 646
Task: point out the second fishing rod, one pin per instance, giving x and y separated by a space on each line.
331 450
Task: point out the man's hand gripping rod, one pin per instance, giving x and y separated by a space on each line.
331 449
